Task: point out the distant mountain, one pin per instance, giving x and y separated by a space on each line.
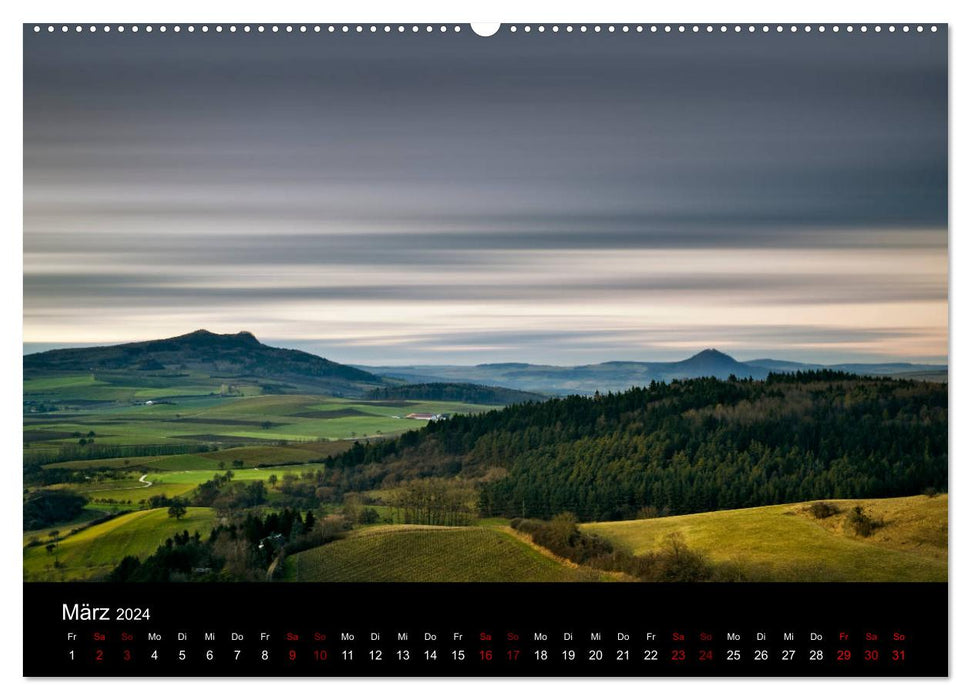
233 357
583 379
239 358
714 363
451 391
619 376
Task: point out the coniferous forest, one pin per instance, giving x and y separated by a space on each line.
681 447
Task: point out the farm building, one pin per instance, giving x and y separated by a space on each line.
425 416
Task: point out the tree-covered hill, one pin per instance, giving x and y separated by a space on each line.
451 391
679 447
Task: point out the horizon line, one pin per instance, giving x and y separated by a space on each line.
48 346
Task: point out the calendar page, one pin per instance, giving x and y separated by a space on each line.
512 350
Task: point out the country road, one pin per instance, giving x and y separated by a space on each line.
145 484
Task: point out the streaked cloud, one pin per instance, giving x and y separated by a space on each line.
448 198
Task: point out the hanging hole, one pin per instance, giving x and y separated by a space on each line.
485 28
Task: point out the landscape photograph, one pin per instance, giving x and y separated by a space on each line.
434 307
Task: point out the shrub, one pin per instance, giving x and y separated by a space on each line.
861 523
673 561
562 537
822 510
678 562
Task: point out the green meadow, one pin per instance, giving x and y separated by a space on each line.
181 429
786 543
254 456
256 436
177 484
773 543
88 515
430 554
224 421
95 551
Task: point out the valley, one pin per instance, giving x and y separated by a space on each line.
208 457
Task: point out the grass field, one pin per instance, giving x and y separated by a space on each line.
432 554
173 484
273 430
96 550
133 490
257 456
213 420
87 515
785 543
275 434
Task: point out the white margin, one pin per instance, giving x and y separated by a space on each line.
521 11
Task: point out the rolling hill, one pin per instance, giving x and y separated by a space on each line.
212 360
430 554
620 376
786 543
772 543
682 447
206 358
96 550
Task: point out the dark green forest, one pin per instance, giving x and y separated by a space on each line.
451 391
680 447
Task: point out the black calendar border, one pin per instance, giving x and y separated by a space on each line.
919 611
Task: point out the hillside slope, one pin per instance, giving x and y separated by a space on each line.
95 551
226 357
685 447
429 554
786 543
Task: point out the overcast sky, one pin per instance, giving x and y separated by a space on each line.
446 198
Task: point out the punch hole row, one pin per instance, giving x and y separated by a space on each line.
719 28
253 28
527 28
